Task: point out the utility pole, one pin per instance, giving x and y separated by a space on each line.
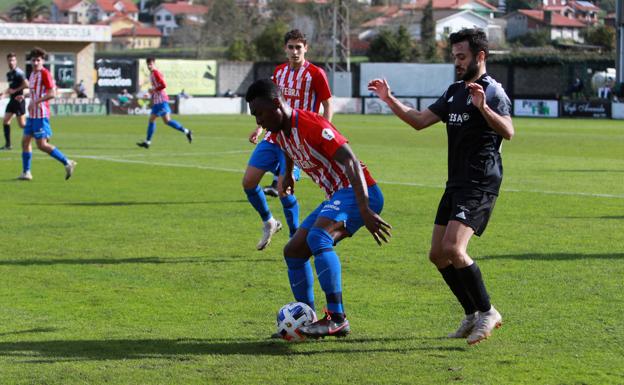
340 74
619 48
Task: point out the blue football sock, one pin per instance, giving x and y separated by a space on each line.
328 268
58 155
177 126
151 127
301 279
26 160
291 212
256 197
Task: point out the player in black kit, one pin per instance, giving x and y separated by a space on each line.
476 111
16 106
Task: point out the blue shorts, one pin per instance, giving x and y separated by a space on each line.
342 207
270 157
161 109
38 127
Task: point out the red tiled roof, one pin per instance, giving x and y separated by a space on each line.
109 5
556 21
184 8
449 4
66 5
118 16
138 31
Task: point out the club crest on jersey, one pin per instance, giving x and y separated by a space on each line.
328 134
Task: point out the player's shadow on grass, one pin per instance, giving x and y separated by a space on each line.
554 256
84 350
134 203
29 331
594 170
143 260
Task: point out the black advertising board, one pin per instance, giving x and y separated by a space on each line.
586 109
113 75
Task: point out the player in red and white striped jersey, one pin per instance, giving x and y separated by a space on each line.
42 89
304 86
160 106
353 200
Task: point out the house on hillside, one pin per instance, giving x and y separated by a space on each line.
106 9
449 17
169 16
583 11
128 33
558 26
70 11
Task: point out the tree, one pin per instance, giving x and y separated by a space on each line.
28 10
241 50
538 38
427 34
392 47
223 22
514 5
270 43
601 35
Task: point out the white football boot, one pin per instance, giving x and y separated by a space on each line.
69 168
486 322
271 227
466 326
25 176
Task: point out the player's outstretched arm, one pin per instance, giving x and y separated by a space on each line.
413 117
375 224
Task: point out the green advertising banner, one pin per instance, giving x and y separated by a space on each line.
195 77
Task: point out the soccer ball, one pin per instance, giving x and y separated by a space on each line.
291 317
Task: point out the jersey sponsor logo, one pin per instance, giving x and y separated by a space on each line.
328 134
292 92
458 119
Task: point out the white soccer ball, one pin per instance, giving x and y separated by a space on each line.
291 317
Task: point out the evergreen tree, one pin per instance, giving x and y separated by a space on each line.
427 34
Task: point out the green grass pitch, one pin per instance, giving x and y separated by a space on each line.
142 268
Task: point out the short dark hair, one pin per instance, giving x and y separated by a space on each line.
297 35
150 60
477 40
11 54
38 52
263 88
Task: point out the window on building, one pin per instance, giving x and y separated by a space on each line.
168 17
447 30
62 66
157 17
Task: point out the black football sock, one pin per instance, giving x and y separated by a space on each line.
274 184
451 277
7 134
473 282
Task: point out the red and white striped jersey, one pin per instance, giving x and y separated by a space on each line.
40 83
303 88
158 87
312 143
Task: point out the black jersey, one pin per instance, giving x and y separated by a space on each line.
16 78
473 147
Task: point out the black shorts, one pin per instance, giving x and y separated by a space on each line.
471 207
16 107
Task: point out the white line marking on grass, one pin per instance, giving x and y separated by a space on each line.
237 170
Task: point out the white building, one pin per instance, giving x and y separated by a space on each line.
166 14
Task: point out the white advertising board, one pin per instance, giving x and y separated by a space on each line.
409 79
536 107
617 110
347 105
197 106
376 106
55 32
